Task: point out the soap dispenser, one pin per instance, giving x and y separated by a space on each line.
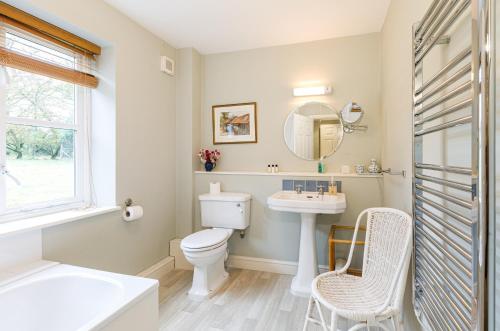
321 165
332 187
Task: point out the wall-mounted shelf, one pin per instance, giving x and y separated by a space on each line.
288 174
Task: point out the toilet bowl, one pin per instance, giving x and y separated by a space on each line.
206 250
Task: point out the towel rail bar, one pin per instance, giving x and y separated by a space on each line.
451 169
447 197
445 224
454 62
459 106
443 27
446 182
455 92
448 82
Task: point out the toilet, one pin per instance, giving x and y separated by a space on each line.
207 250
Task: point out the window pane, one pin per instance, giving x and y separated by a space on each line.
42 160
39 97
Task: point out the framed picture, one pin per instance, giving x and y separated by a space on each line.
235 124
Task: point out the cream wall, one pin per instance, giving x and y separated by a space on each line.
275 235
397 110
145 142
351 65
187 131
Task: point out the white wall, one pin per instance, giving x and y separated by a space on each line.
275 235
145 142
187 128
267 76
397 112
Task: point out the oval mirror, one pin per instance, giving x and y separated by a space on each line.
352 113
313 131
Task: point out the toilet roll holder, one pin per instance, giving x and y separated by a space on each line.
128 202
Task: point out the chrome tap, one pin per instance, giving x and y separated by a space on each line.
321 190
298 189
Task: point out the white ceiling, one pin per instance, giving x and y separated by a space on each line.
214 26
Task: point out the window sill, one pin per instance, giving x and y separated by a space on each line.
45 221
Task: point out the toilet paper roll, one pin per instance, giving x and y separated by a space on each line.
215 188
132 213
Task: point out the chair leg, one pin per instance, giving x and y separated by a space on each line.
308 313
334 322
323 324
397 322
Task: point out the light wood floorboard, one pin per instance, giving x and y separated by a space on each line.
248 301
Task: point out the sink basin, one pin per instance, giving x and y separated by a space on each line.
307 202
308 205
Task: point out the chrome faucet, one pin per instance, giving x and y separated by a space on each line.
298 189
321 190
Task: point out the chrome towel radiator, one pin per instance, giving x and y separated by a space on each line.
451 100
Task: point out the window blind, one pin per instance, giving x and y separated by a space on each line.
30 44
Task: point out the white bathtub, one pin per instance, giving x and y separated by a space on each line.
67 298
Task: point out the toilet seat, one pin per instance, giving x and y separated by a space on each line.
205 240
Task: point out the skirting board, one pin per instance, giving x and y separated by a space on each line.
159 270
268 265
241 262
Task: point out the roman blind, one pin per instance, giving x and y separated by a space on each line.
31 44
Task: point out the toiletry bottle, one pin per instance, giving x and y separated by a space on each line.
269 168
273 169
332 187
276 168
321 166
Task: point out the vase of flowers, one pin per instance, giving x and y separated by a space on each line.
209 158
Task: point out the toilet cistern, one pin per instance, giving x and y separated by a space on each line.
206 250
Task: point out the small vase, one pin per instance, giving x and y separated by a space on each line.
373 168
209 166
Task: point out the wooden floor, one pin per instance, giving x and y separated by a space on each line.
250 300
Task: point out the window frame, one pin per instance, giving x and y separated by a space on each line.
80 127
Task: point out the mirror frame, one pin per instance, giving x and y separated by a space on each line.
327 106
356 121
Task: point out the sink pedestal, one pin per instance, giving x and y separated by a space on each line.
307 269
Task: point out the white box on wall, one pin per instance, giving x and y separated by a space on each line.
167 65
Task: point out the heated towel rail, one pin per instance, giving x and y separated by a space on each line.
451 100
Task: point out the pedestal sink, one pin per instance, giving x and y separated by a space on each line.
308 205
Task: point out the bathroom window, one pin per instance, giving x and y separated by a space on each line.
45 98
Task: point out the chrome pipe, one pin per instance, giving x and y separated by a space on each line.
429 271
452 79
440 127
435 261
456 60
446 182
444 268
444 12
439 260
445 224
456 92
445 297
436 322
448 241
450 257
447 197
462 219
455 170
454 16
459 106
426 20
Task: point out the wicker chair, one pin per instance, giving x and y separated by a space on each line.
377 295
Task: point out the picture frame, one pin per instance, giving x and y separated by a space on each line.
234 123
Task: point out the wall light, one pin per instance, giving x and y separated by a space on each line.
311 90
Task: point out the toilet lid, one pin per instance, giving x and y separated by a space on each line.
205 238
